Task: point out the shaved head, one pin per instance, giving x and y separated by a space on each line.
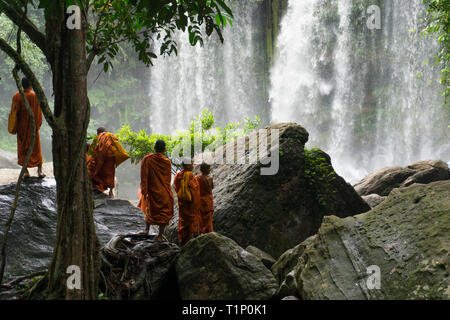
160 146
26 83
100 130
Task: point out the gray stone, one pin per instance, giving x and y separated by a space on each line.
266 258
214 267
373 199
406 237
383 181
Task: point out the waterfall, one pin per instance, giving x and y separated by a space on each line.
370 98
224 78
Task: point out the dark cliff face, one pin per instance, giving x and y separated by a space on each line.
276 212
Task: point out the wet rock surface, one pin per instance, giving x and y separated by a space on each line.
33 231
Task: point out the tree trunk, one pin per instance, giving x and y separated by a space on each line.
76 241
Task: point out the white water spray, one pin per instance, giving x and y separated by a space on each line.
367 97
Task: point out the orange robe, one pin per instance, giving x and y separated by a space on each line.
206 205
157 198
24 128
101 163
188 211
144 206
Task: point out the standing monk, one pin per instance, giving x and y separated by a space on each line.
103 157
206 184
156 193
188 191
24 129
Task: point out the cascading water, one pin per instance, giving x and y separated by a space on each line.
367 97
223 78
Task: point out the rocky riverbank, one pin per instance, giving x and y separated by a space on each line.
304 237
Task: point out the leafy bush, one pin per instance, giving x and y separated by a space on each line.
202 128
439 25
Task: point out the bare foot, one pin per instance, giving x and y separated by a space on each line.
41 175
161 239
143 233
26 175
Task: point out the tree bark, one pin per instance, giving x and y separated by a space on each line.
76 241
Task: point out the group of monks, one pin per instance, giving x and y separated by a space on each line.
104 154
194 193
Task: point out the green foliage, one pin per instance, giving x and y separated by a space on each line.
439 26
101 296
201 129
140 22
318 174
36 60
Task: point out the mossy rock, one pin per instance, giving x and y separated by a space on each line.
406 236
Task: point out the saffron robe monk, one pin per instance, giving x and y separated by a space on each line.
101 162
24 129
156 192
188 211
206 184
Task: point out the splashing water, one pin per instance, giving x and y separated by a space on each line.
367 97
220 77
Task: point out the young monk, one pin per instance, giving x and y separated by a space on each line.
156 192
206 199
102 161
24 128
186 185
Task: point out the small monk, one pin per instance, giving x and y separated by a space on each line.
206 184
156 192
24 129
188 202
101 161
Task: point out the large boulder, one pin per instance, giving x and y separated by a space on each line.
139 268
33 231
406 238
276 212
382 181
214 267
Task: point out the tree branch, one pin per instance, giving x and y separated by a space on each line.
16 15
4 46
22 172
